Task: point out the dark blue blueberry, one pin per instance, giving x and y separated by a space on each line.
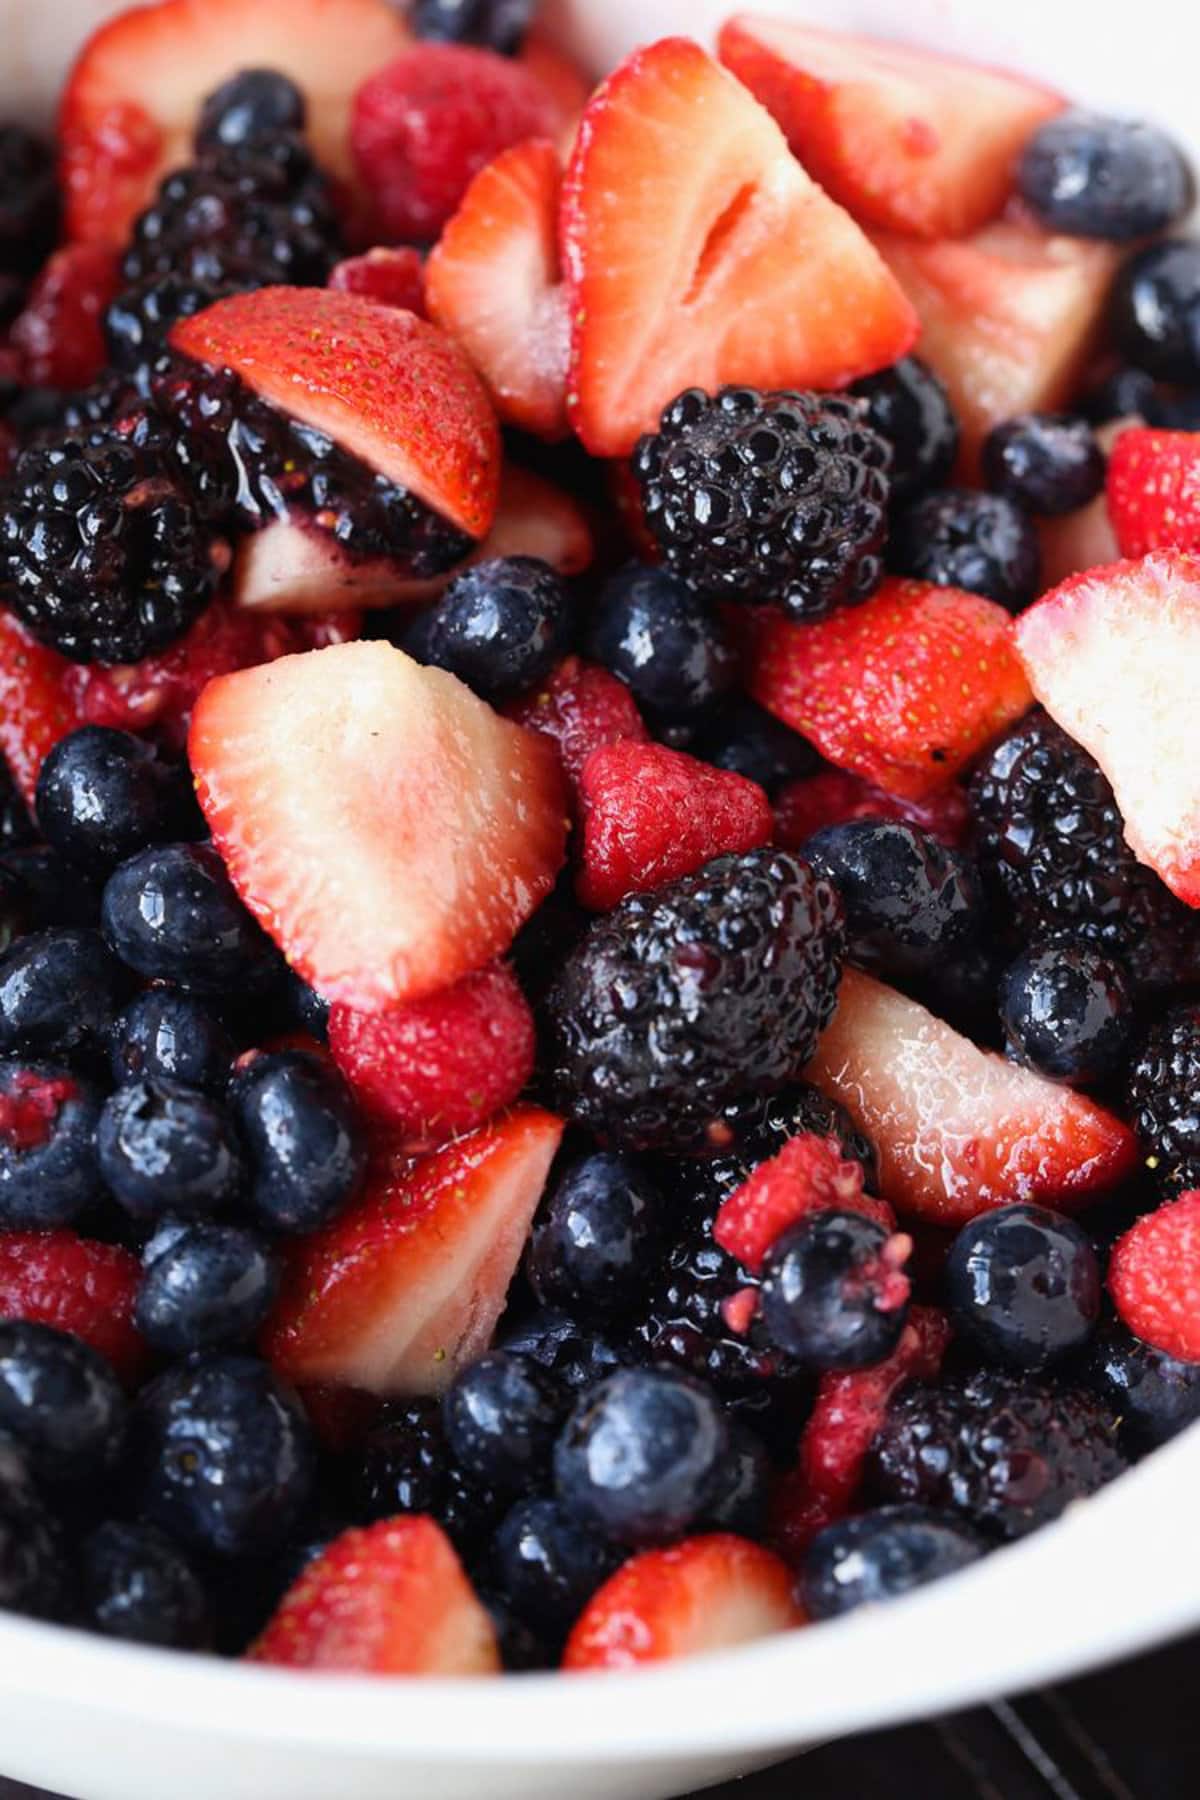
881 1555
908 405
35 1577
1067 1012
308 1009
252 105
103 795
1155 1395
136 1585
55 893
171 914
61 1402
833 1295
16 825
521 1649
749 741
594 1247
1092 176
640 1455
741 1494
501 1416
579 1356
548 1566
48 1168
221 1455
172 1036
1124 394
167 1148
59 993
207 1288
667 646
492 24
1048 463
911 903
1024 1284
501 625
305 1143
1155 310
956 537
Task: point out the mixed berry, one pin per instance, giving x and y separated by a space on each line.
599 862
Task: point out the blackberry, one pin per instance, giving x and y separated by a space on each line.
1007 1452
28 201
678 1001
958 538
1164 1092
1096 177
768 497
138 321
908 405
406 1466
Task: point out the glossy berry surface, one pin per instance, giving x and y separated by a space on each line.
911 902
1067 1011
61 1401
501 1417
59 992
909 407
834 1294
1023 1283
166 1148
253 104
882 1555
206 1286
406 1466
136 1585
500 626
958 538
1049 463
48 1168
493 24
578 1355
1155 310
740 1497
664 643
598 1238
1156 1395
171 1036
548 1565
103 795
1092 176
172 915
1164 1079
304 1142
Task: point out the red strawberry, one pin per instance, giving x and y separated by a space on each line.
75 1284
581 707
1154 491
566 83
903 690
958 1129
698 252
1154 1277
834 798
1114 656
494 283
36 708
406 1287
903 138
384 825
387 387
394 277
436 1067
130 104
650 815
58 334
425 124
706 1593
391 1599
809 1174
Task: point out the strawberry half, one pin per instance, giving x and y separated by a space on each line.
809 1174
387 828
698 252
960 1130
493 282
1153 490
130 104
903 138
1114 655
707 1593
390 1599
36 705
904 690
386 386
406 1287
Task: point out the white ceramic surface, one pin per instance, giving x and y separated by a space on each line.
105 1722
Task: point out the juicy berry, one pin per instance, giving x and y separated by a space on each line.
205 1287
253 104
494 24
740 1497
1154 1277
48 1168
1154 311
501 1417
406 1466
664 642
1024 1284
305 1146
102 795
548 1565
833 1292
61 1402
166 1148
59 993
1089 175
911 903
1067 1011
882 1555
958 538
1164 1081
1046 462
596 1241
171 1036
1155 1395
579 1356
908 406
136 1585
500 626
78 1285
171 913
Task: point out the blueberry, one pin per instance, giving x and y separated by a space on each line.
956 537
1047 462
908 405
578 1355
171 914
595 1245
103 795
740 1497
911 903
306 1147
501 1417
548 1565
55 892
34 1574
1024 1284
832 1292
881 1555
501 625
493 24
221 1455
171 1036
135 1584
749 741
521 1649
209 1287
1125 393
1155 1395
307 1009
1097 177
167 1148
662 641
61 1401
48 1168
640 1455
250 106
1067 1012
1155 310
59 993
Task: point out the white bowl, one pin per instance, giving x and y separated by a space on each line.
105 1722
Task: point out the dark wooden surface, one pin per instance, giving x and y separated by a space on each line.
1129 1733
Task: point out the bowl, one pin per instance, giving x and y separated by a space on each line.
105 1721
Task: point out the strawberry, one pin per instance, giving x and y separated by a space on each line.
494 283
1154 1277
1153 491
58 335
650 815
905 139
390 1599
393 277
1083 539
406 1286
75 1284
36 707
436 1067
1114 655
698 252
904 690
384 385
809 1174
834 798
426 123
706 1593
384 825
581 707
960 1130
131 102
563 80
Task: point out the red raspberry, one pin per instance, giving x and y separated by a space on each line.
75 1284
393 277
436 1067
428 122
58 335
1154 1277
581 706
834 798
36 708
651 815
808 1175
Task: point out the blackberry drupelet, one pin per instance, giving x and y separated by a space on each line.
756 1126
908 405
776 497
138 321
28 201
1164 1092
958 538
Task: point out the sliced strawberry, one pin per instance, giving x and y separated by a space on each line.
904 690
389 388
131 102
581 707
58 334
406 1287
390 1599
834 798
905 139
384 825
958 1129
393 276
809 1174
1154 1277
698 252
493 282
75 1284
706 1593
1114 655
36 706
1154 491
564 80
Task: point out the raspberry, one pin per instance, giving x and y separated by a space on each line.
75 1284
1154 1277
394 277
1163 1082
834 798
582 707
58 335
809 1174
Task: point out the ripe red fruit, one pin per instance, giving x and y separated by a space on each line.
581 707
808 1175
1154 1277
393 277
834 798
58 334
1153 490
36 707
75 1284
